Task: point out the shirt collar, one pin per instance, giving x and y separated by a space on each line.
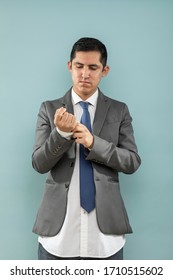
92 99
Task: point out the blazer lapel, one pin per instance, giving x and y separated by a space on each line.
101 112
67 102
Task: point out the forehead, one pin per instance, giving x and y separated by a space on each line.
87 57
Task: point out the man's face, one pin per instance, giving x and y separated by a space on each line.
87 71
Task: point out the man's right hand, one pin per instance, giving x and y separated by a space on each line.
64 121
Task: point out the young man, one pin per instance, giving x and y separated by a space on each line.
83 140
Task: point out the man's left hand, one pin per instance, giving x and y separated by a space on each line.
83 136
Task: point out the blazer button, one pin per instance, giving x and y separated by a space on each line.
66 185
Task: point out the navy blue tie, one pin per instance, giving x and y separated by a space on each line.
87 186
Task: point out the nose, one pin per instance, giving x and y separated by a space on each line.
85 72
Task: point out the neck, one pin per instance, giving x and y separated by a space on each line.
84 96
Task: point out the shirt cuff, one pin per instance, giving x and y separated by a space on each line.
64 134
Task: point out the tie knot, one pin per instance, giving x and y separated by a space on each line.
84 105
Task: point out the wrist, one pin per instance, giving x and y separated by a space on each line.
64 134
91 145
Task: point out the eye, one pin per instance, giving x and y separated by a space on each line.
78 65
93 68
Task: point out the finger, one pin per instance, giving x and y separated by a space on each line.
75 126
80 127
60 112
78 135
69 120
79 140
58 115
64 117
73 122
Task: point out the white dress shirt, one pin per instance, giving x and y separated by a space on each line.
80 234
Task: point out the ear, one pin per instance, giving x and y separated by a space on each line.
69 64
105 71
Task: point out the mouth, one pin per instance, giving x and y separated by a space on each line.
84 82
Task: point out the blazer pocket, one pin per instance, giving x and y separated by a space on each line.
51 213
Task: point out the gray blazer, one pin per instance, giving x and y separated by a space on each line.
114 151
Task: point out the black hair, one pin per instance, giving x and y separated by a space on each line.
90 44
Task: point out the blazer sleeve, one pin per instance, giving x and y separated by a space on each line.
123 156
49 146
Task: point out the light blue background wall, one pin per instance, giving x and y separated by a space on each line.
35 41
